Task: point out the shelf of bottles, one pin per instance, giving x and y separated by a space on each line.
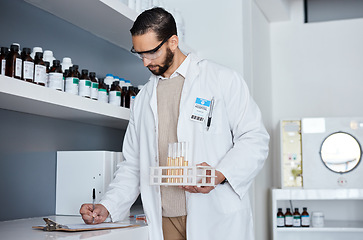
342 209
18 95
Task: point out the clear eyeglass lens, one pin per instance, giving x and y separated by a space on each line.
150 56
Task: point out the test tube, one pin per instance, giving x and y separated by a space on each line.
170 156
174 160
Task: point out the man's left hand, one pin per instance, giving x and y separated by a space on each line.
204 189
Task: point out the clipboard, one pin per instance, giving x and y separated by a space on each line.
53 226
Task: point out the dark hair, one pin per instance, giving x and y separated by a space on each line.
156 19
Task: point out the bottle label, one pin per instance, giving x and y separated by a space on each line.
40 74
28 71
288 220
3 64
132 100
115 98
94 91
72 85
102 95
280 221
56 81
296 221
305 220
18 67
84 88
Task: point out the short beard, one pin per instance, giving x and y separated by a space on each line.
167 63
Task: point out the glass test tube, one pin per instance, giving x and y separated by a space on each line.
170 156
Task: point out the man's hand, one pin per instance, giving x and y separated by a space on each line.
204 189
93 216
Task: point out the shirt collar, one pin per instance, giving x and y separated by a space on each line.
181 70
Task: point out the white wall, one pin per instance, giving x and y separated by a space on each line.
316 69
213 29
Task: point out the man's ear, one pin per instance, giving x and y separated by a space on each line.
173 42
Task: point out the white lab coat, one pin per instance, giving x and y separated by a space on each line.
236 144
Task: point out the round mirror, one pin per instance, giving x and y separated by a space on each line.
340 152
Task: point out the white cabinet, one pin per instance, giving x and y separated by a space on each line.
343 210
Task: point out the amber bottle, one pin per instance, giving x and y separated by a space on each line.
40 70
13 63
28 65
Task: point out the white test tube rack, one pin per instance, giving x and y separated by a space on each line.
191 176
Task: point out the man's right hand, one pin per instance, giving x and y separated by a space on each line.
93 216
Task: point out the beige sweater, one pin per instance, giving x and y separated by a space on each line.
168 97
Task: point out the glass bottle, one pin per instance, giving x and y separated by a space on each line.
94 86
115 94
305 218
296 218
3 53
72 81
130 97
56 76
123 96
102 91
28 66
280 218
288 218
85 84
13 63
75 68
47 69
40 69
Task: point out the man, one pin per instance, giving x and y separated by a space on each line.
235 142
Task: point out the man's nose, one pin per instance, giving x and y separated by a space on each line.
146 61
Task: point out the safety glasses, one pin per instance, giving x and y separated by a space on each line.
151 54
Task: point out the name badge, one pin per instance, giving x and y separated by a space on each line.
200 110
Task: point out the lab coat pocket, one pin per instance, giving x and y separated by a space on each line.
228 199
214 125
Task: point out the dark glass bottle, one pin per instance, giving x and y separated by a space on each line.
305 218
296 218
40 70
115 94
3 53
85 84
94 85
280 218
123 96
102 91
130 97
55 80
288 218
75 68
72 81
28 65
13 63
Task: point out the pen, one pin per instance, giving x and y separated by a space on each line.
209 121
93 202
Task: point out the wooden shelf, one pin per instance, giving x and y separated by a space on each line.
21 96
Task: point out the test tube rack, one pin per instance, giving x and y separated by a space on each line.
183 176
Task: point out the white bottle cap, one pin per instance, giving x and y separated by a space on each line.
48 53
35 50
66 63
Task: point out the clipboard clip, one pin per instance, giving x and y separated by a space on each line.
53 226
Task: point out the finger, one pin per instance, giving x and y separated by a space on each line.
86 208
204 190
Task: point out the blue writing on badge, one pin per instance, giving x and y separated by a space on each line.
203 102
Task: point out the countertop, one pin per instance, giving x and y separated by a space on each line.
22 229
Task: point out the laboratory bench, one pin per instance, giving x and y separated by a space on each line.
22 229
